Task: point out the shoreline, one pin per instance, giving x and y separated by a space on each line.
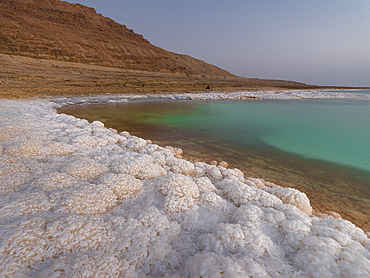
237 95
297 94
82 194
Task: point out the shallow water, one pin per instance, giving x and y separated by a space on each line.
319 146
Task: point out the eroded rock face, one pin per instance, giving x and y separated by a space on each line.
78 199
62 31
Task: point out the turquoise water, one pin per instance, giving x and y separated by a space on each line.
319 146
331 130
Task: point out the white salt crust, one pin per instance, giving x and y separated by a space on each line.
80 200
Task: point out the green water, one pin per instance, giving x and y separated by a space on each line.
320 146
331 130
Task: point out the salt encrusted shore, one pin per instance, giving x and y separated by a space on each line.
288 94
80 200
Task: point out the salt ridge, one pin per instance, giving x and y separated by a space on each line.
289 94
79 199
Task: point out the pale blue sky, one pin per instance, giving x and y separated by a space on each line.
324 42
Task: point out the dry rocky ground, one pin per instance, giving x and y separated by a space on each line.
73 50
28 77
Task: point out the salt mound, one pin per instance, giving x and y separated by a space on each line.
86 170
54 181
211 199
58 148
241 193
177 185
17 204
25 149
292 196
176 204
205 185
179 166
14 174
87 199
78 199
132 163
124 186
82 265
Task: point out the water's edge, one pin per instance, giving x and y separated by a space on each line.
350 204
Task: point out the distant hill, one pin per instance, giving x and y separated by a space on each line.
57 30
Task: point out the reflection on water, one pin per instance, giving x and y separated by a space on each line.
203 130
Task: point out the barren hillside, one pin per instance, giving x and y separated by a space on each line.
57 30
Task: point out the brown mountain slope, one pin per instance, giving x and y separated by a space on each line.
57 30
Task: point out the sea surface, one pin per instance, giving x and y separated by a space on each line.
319 146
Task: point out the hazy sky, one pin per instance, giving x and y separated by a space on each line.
323 42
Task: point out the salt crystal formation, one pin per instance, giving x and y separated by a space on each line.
80 200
